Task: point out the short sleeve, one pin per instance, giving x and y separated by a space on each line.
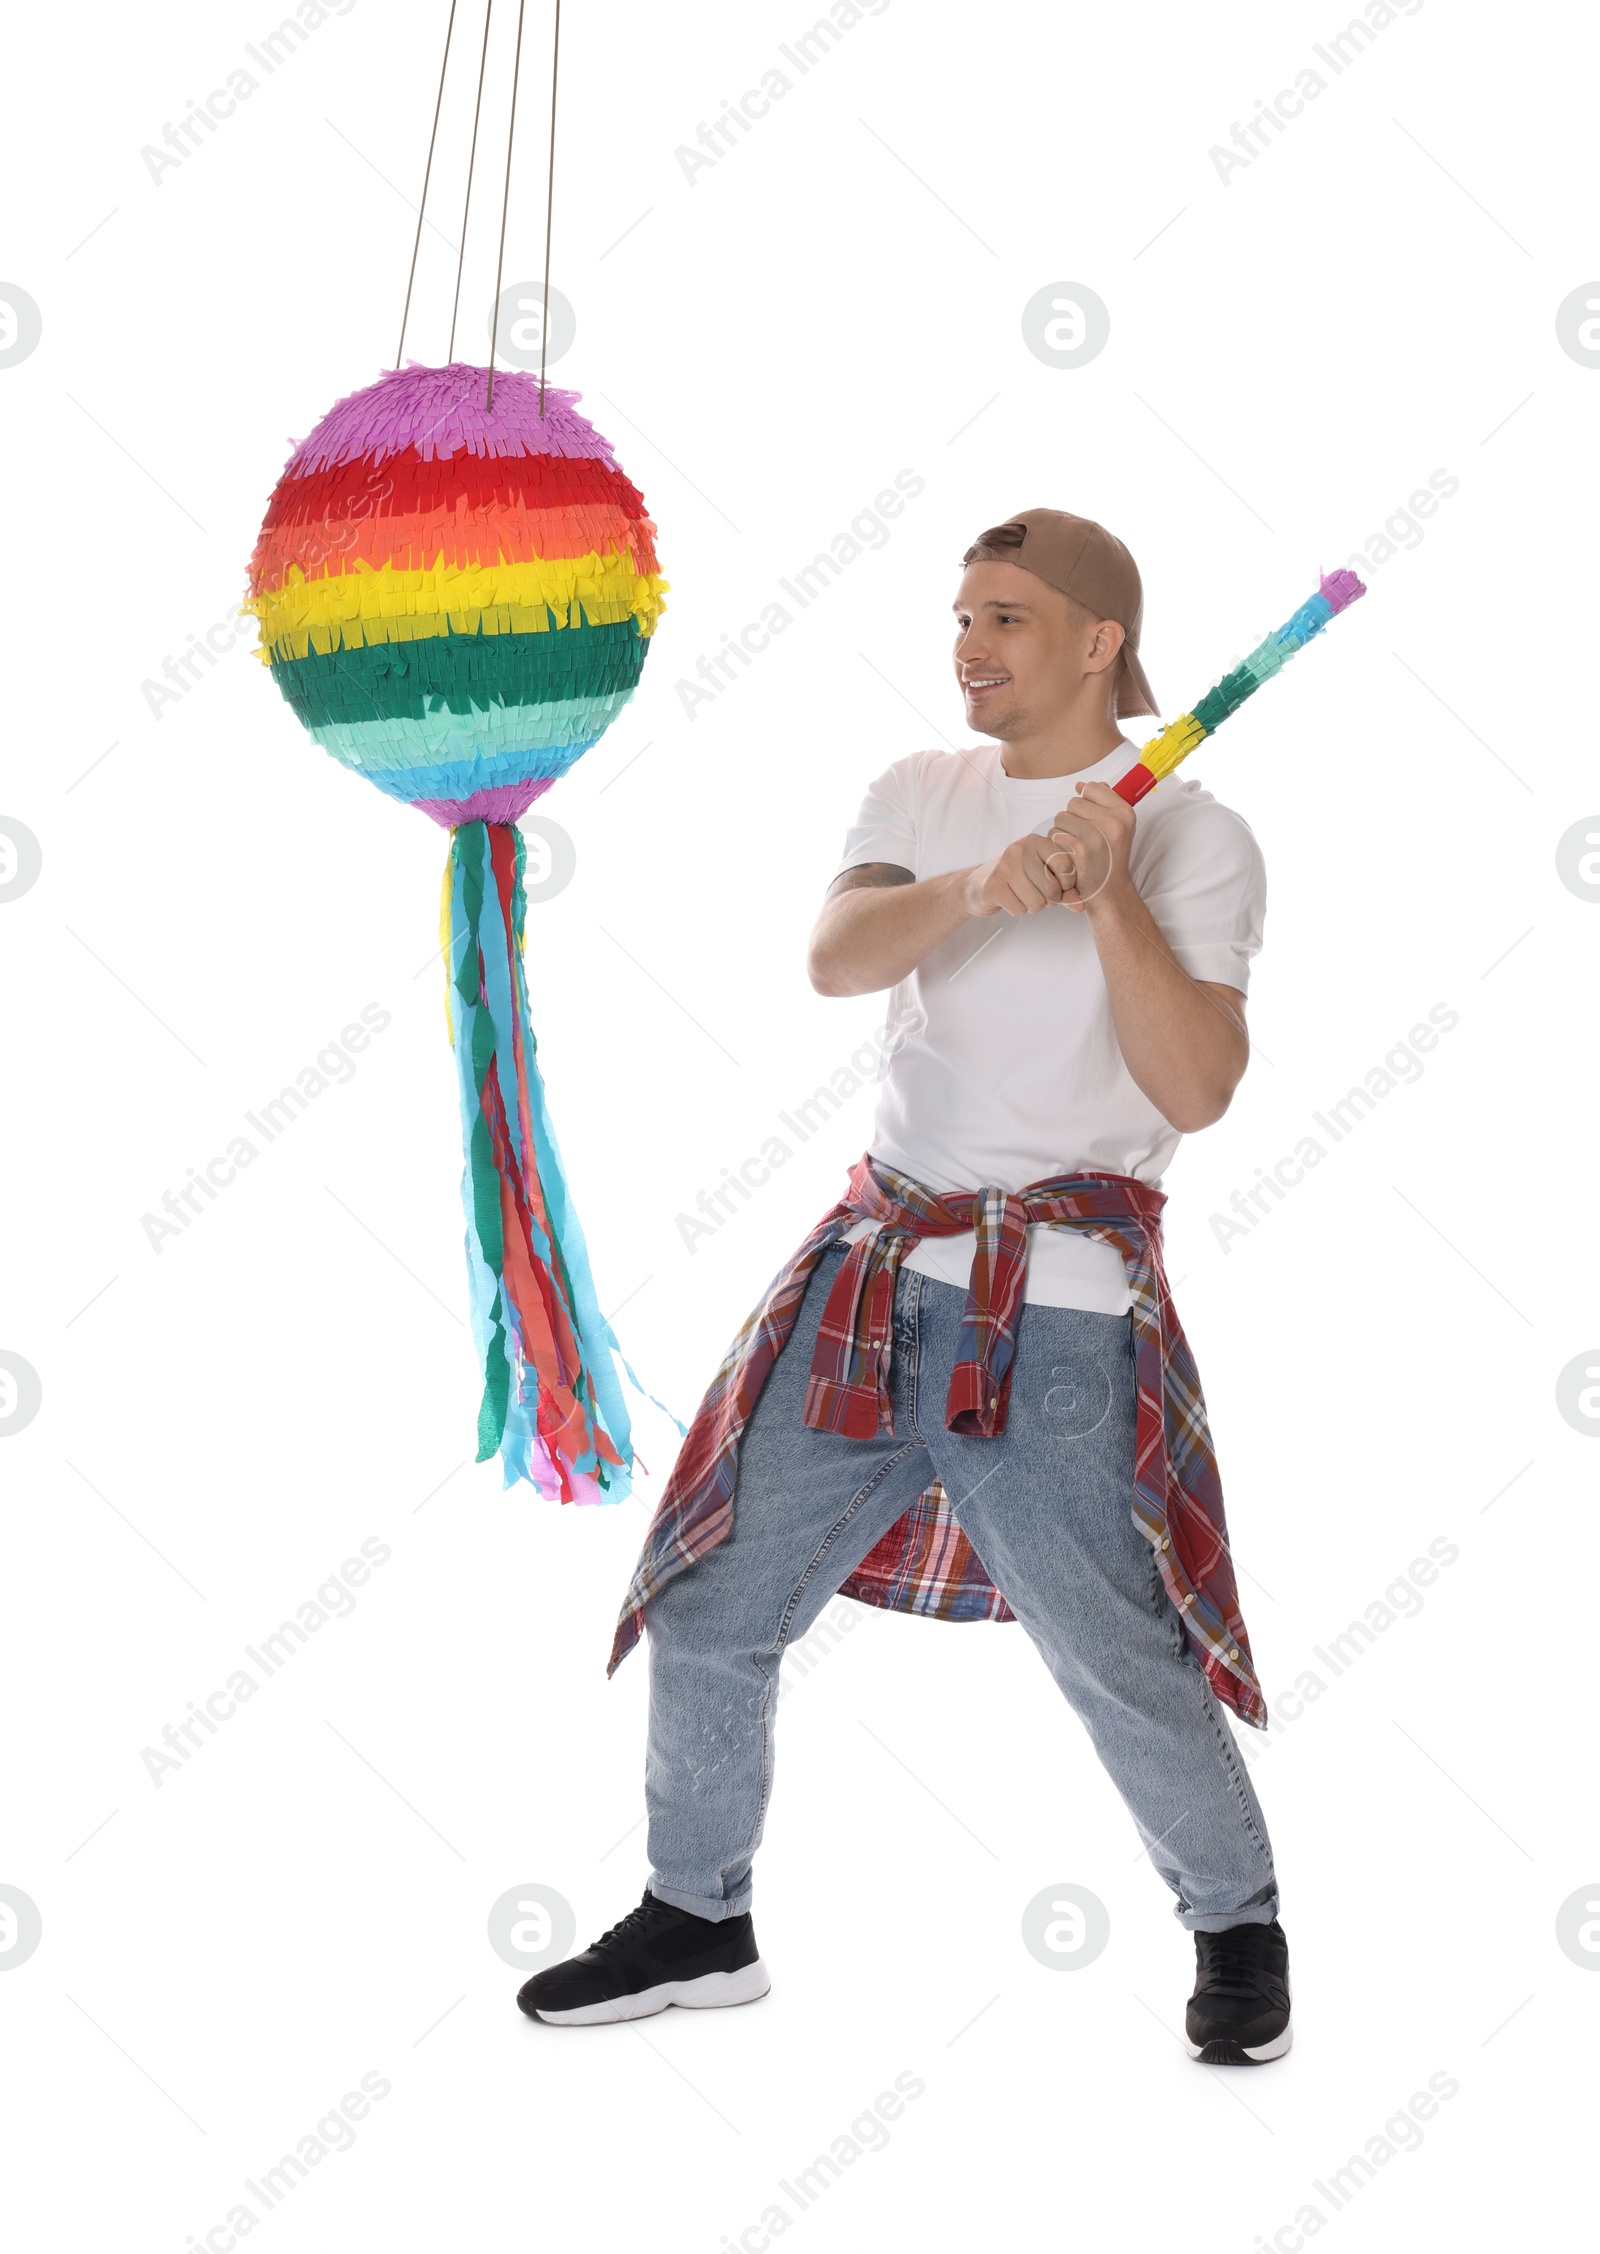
1205 883
885 829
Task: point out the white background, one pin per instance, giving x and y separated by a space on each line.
1292 353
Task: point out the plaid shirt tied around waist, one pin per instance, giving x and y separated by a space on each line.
925 1563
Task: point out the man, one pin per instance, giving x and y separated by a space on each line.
968 1393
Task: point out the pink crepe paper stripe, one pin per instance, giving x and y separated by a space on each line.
502 803
1341 589
440 412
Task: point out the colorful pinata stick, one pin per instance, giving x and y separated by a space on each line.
1339 589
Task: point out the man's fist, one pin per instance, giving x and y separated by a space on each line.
1089 843
1020 881
1085 853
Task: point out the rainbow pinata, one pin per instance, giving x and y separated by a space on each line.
456 598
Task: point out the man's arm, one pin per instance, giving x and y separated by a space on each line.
878 921
1182 1039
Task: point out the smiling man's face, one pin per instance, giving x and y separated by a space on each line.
1024 651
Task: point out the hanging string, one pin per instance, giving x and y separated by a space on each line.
472 159
426 177
499 264
549 205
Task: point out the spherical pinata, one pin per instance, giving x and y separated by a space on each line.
456 600
456 587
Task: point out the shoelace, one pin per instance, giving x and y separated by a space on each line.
1239 1962
627 1927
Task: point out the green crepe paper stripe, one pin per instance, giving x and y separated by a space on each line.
1231 691
496 1389
468 845
452 672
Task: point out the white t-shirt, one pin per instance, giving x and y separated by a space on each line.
1002 1064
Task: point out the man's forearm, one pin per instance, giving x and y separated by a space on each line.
873 937
1182 1044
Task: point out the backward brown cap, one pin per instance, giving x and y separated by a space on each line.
1085 561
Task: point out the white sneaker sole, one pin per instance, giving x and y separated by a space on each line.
1258 2053
707 1993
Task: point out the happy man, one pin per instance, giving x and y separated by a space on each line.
968 1393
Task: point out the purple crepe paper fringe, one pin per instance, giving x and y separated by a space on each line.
440 412
503 802
1340 588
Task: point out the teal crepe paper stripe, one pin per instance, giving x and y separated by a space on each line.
447 739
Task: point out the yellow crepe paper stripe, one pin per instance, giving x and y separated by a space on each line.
1172 743
444 940
351 609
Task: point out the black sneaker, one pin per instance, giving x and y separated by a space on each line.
653 1957
1239 2012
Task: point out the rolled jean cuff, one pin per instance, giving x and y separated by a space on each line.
1223 1921
702 1905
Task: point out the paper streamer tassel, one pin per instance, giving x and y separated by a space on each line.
552 1405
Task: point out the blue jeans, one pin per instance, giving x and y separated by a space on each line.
1047 1507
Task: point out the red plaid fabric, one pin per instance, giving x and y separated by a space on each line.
925 1563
